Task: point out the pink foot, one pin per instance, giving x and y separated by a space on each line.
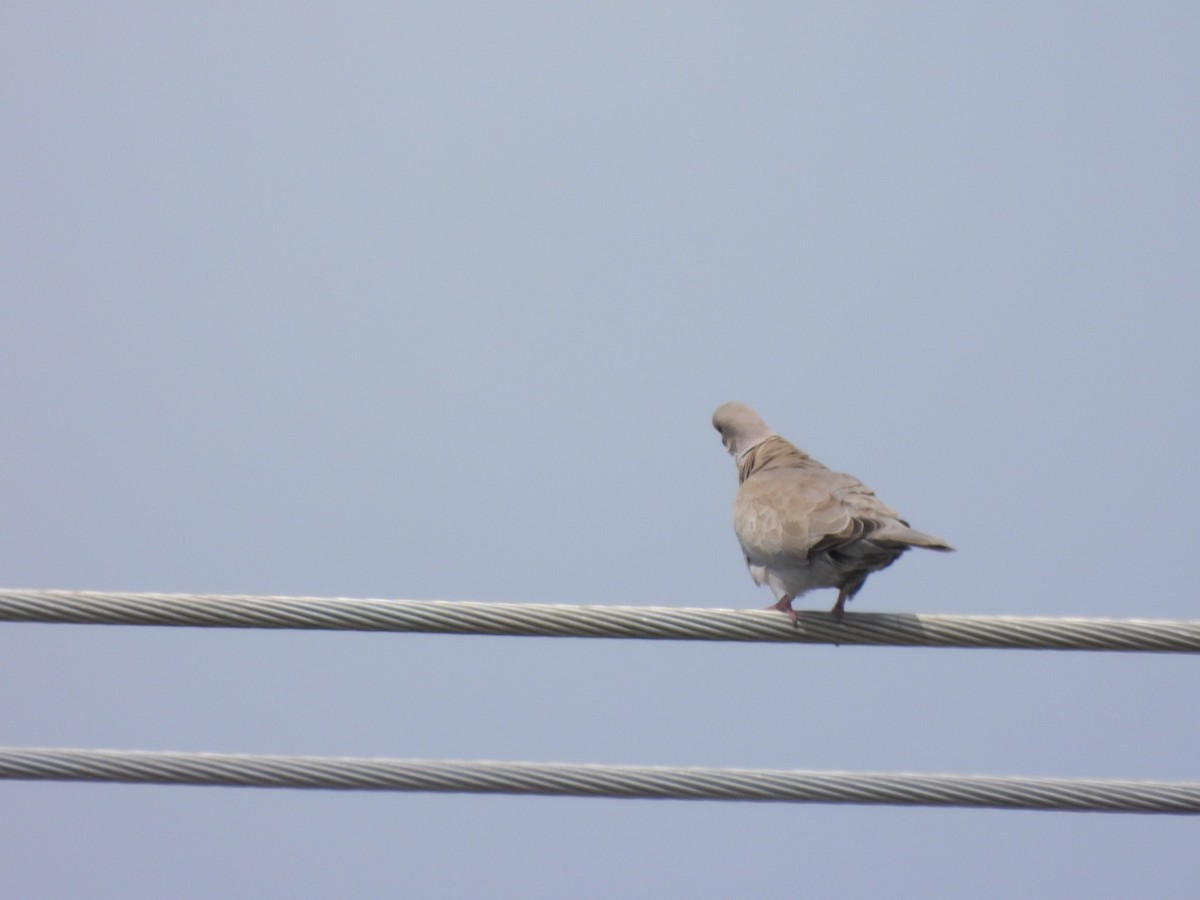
785 605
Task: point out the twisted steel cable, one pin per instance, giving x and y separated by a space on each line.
650 622
558 779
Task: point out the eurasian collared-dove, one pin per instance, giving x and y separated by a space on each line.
801 525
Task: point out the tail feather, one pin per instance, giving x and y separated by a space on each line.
902 534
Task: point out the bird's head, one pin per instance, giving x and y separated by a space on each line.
740 427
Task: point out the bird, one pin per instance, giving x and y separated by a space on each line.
803 526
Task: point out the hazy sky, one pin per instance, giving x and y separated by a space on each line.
431 301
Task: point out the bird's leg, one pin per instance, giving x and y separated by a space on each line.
846 591
840 607
785 605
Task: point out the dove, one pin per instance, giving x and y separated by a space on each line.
801 525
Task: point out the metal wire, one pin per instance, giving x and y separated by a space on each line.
654 622
557 779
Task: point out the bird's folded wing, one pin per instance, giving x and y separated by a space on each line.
780 515
790 514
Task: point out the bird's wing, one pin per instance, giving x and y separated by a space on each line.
789 514
780 515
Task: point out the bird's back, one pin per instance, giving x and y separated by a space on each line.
789 505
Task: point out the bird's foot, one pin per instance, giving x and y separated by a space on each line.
785 605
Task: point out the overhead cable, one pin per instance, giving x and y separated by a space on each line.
597 621
629 782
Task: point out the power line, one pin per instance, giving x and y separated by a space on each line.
628 782
653 622
596 780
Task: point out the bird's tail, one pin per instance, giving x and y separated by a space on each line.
903 534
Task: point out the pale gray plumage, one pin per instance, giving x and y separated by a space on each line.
801 525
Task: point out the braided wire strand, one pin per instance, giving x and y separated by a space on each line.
629 782
646 622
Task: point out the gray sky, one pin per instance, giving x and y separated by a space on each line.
432 302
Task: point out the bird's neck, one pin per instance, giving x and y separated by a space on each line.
773 453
